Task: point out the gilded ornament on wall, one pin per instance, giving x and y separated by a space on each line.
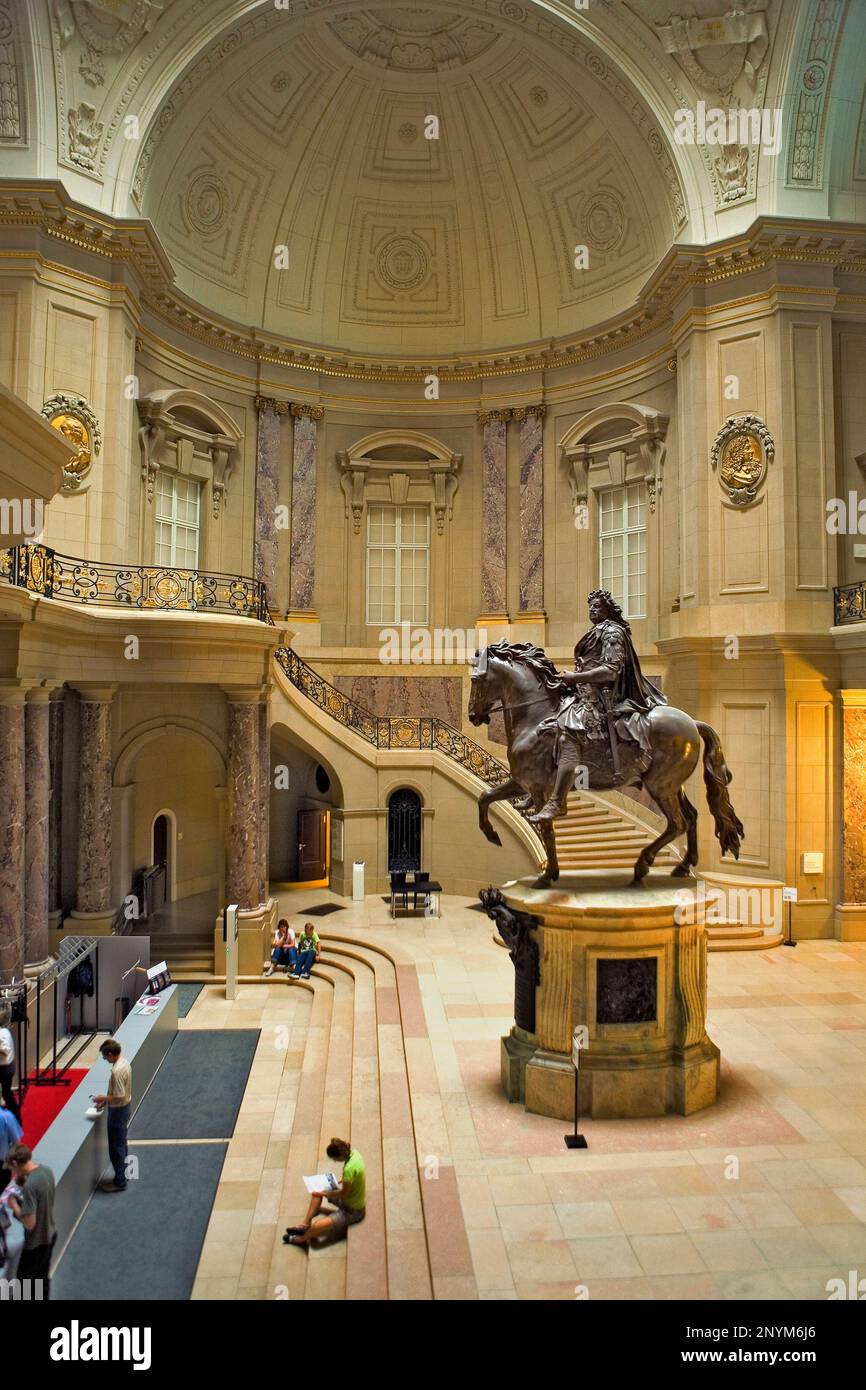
73 418
741 452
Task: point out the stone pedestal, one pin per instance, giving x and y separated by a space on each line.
629 963
255 934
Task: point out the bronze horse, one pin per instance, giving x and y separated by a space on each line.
525 684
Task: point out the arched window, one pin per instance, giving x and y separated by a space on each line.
404 831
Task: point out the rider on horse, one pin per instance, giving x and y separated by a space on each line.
610 701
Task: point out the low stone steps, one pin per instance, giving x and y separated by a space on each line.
354 1083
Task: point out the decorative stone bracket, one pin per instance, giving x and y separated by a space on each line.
362 466
187 433
644 431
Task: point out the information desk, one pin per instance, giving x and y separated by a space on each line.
75 1148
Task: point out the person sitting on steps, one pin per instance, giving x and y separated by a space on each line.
349 1200
285 949
308 952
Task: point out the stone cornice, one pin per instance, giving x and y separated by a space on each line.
44 204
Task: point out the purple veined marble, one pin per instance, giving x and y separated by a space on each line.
303 549
264 801
12 836
37 773
55 810
93 885
531 514
267 492
244 808
493 574
438 697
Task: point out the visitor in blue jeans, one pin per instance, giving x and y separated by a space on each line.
308 952
285 948
117 1122
117 1103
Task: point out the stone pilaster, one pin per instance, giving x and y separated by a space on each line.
494 603
302 581
267 490
850 915
93 878
37 777
243 867
531 419
264 801
11 832
56 709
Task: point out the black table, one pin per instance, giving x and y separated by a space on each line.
430 888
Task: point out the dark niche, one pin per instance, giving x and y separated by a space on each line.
626 990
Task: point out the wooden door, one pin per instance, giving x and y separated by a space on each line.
312 845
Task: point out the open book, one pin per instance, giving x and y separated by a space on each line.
322 1182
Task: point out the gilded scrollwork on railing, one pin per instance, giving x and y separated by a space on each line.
849 603
42 571
395 731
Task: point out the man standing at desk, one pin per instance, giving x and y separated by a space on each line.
119 1103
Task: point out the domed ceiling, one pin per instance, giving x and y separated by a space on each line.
312 134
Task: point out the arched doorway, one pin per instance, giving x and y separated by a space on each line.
404 831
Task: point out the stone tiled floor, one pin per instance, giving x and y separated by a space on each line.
763 1196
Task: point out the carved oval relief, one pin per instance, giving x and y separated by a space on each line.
207 203
402 263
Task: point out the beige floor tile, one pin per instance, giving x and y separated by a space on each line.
727 1250
490 1260
669 1254
546 1262
581 1219
534 1222
653 1216
603 1257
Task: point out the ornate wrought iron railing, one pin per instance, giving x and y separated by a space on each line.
41 570
391 731
849 603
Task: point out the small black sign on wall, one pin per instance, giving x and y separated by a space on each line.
626 990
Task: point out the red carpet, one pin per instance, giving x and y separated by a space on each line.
43 1104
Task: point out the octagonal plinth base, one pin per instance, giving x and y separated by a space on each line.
628 963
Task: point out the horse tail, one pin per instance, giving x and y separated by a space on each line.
717 775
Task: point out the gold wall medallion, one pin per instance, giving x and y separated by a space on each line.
73 418
741 452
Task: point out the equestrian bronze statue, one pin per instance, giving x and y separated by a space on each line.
604 724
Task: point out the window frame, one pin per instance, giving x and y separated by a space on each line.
398 546
624 530
176 526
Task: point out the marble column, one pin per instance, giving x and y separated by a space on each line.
11 832
243 875
267 491
494 601
531 509
37 779
93 878
56 708
264 801
302 581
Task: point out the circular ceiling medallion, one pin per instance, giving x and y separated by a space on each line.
207 203
280 81
402 263
408 132
602 222
539 96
